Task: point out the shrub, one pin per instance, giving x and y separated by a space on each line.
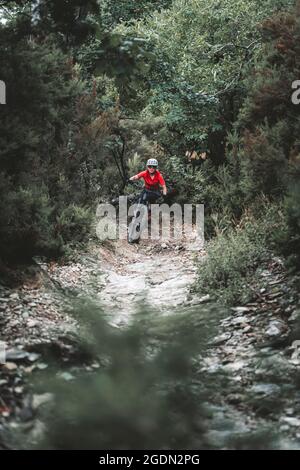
233 256
288 238
73 224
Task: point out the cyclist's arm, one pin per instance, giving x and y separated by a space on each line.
164 190
138 176
163 185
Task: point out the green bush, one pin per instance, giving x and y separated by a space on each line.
32 224
264 164
26 226
73 224
289 237
233 256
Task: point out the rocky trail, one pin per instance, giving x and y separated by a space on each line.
253 360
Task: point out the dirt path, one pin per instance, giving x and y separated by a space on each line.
157 276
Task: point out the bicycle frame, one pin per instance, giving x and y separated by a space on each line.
141 215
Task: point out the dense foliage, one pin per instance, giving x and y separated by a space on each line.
94 88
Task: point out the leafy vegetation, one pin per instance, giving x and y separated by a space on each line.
95 88
235 255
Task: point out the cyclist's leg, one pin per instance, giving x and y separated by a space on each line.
142 199
153 196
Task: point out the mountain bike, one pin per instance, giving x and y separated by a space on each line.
142 214
141 202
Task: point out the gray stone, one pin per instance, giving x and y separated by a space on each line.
275 328
33 357
239 320
295 422
14 296
235 366
265 389
39 400
218 340
240 309
16 355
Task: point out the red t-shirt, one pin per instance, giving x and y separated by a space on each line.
152 183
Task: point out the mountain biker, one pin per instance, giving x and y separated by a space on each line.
153 180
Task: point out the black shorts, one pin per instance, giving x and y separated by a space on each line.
147 195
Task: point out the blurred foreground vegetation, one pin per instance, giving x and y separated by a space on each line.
147 391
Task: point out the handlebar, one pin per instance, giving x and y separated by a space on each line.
129 181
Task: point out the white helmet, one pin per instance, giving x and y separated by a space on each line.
152 162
